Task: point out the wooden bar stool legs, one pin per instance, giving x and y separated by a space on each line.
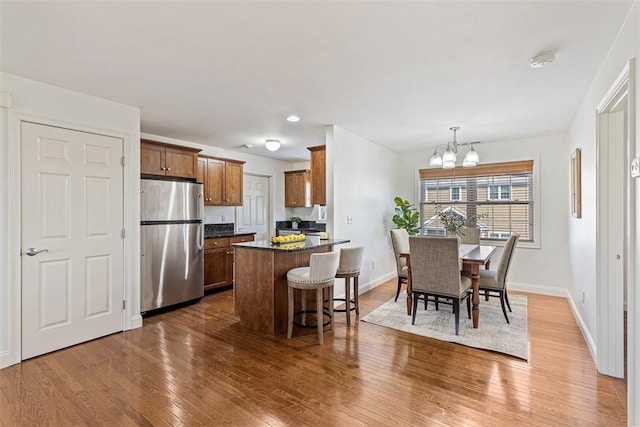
319 275
350 263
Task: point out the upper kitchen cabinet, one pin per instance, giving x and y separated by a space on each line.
297 189
161 159
222 179
318 175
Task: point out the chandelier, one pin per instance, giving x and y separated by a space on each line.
450 154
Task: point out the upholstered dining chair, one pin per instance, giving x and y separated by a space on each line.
317 276
470 236
435 271
400 242
494 282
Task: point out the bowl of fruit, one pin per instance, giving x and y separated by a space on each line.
291 238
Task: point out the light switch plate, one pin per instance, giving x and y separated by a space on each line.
635 167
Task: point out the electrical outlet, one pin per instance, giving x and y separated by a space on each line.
349 219
373 265
583 296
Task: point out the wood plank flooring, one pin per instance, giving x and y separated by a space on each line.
197 366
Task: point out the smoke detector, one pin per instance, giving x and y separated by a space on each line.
542 59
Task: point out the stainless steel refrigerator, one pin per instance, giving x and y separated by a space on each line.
172 241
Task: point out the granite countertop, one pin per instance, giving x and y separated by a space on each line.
302 229
310 242
213 231
216 234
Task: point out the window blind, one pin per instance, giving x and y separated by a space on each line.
499 195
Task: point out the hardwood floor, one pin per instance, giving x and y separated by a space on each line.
197 366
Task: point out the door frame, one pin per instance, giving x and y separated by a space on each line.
609 312
271 199
131 315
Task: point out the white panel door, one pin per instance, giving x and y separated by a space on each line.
252 216
72 196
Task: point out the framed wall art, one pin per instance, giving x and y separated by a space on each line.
576 180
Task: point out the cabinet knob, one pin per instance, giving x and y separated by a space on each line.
168 169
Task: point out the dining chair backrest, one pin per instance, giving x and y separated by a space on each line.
470 236
435 266
400 242
506 257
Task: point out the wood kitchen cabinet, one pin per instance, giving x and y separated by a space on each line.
161 159
318 175
297 189
222 179
218 260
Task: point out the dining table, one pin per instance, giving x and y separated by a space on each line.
472 257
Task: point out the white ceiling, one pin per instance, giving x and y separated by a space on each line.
396 73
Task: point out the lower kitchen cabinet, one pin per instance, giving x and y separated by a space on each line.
218 260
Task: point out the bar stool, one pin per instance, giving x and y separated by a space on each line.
350 264
319 275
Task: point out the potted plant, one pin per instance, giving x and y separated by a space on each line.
294 221
406 216
453 222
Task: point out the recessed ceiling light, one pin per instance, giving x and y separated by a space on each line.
542 59
293 118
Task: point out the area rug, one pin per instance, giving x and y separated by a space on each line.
493 333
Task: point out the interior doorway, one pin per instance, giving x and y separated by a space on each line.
253 215
615 227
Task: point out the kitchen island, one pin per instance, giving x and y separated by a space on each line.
260 283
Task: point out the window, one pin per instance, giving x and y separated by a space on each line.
499 192
455 194
500 195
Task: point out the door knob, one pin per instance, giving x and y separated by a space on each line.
34 251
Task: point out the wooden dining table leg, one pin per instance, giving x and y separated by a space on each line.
475 300
409 291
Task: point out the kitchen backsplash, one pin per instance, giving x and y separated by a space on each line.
219 228
219 214
303 225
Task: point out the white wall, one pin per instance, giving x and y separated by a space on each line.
5 313
582 232
361 183
542 269
52 105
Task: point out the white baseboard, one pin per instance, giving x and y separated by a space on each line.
377 281
591 344
8 358
136 321
537 289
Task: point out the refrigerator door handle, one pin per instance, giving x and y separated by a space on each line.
200 236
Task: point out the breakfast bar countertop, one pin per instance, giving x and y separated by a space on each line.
311 242
260 280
